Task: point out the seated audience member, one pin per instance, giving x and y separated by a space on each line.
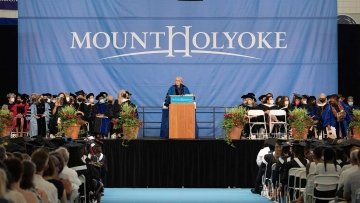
352 183
344 174
16 193
41 158
28 184
59 166
50 174
2 153
3 181
328 167
268 148
317 158
68 173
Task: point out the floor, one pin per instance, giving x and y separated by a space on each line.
183 195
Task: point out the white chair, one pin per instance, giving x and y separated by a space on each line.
326 181
272 122
300 177
309 191
259 114
291 185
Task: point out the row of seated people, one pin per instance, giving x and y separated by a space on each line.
277 158
44 176
320 109
39 114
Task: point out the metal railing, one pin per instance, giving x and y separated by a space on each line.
207 118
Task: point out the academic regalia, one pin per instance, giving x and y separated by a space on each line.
101 124
19 108
173 90
329 118
43 108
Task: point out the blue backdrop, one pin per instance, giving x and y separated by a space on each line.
223 49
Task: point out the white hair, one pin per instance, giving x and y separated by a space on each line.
64 153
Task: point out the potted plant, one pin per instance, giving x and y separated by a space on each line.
129 122
233 123
355 124
300 122
6 122
70 121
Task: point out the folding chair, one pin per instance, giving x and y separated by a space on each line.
272 123
291 184
325 180
258 114
300 185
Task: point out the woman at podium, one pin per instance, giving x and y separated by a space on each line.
177 89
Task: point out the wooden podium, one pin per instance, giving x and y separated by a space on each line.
182 120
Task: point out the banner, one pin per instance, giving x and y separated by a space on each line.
222 49
8 5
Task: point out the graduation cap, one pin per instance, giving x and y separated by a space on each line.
46 95
54 96
271 141
261 97
333 96
72 95
80 92
89 95
298 96
243 97
104 93
251 96
305 96
100 95
128 93
24 96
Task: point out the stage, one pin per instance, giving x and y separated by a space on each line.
181 163
150 163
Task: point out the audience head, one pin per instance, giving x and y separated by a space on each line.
318 153
354 157
51 170
59 162
350 101
3 181
329 156
18 155
2 153
64 154
28 175
269 100
40 158
15 169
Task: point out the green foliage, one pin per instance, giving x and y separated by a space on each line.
300 119
69 117
128 116
6 119
234 117
355 121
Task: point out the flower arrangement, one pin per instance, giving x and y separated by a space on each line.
355 120
300 122
354 125
6 119
128 121
69 118
233 118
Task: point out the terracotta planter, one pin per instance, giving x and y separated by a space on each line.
235 133
73 131
297 135
130 132
355 132
6 131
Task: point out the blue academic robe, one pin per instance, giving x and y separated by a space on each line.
329 118
164 130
